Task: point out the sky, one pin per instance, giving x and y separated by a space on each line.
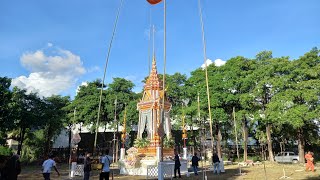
52 47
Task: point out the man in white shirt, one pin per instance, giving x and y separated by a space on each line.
106 161
47 166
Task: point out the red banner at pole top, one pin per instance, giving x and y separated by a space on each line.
153 2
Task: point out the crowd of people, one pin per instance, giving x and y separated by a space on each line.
12 167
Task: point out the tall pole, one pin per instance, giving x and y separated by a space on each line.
201 137
70 148
184 132
114 131
164 69
206 72
115 119
149 53
104 75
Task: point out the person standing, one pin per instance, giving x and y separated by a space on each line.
106 161
216 163
177 164
12 168
195 163
47 166
309 159
87 167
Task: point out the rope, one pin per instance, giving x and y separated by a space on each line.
206 72
104 74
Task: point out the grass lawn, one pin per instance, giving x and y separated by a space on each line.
271 171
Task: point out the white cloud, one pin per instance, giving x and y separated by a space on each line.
49 74
49 44
208 62
93 69
85 83
217 62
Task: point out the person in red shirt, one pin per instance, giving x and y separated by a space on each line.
309 159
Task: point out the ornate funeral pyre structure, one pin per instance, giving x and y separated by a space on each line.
151 110
150 127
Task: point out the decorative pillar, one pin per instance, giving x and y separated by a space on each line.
184 137
122 153
158 153
185 152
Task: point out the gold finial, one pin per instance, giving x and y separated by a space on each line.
153 81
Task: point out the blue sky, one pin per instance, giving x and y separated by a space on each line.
51 47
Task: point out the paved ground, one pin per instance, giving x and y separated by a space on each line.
268 171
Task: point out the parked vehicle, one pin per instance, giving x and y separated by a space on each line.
287 157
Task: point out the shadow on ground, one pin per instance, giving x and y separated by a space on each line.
269 170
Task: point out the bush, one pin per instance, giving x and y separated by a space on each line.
141 143
5 151
168 142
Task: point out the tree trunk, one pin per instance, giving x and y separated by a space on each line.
47 144
218 140
301 144
269 141
245 139
21 139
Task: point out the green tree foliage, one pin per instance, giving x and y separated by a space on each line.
29 113
298 105
86 103
275 100
6 122
121 89
55 117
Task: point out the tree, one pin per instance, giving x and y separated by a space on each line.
237 86
54 119
86 103
6 122
271 79
298 105
29 113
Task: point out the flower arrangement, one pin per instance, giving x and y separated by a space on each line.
132 150
141 142
168 142
132 160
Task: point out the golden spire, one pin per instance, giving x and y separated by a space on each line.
153 81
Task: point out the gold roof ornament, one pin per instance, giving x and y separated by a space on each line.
153 81
153 91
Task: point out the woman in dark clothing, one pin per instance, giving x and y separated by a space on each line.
195 163
216 163
87 167
12 168
177 164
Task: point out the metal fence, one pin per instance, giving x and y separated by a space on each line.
167 171
152 171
